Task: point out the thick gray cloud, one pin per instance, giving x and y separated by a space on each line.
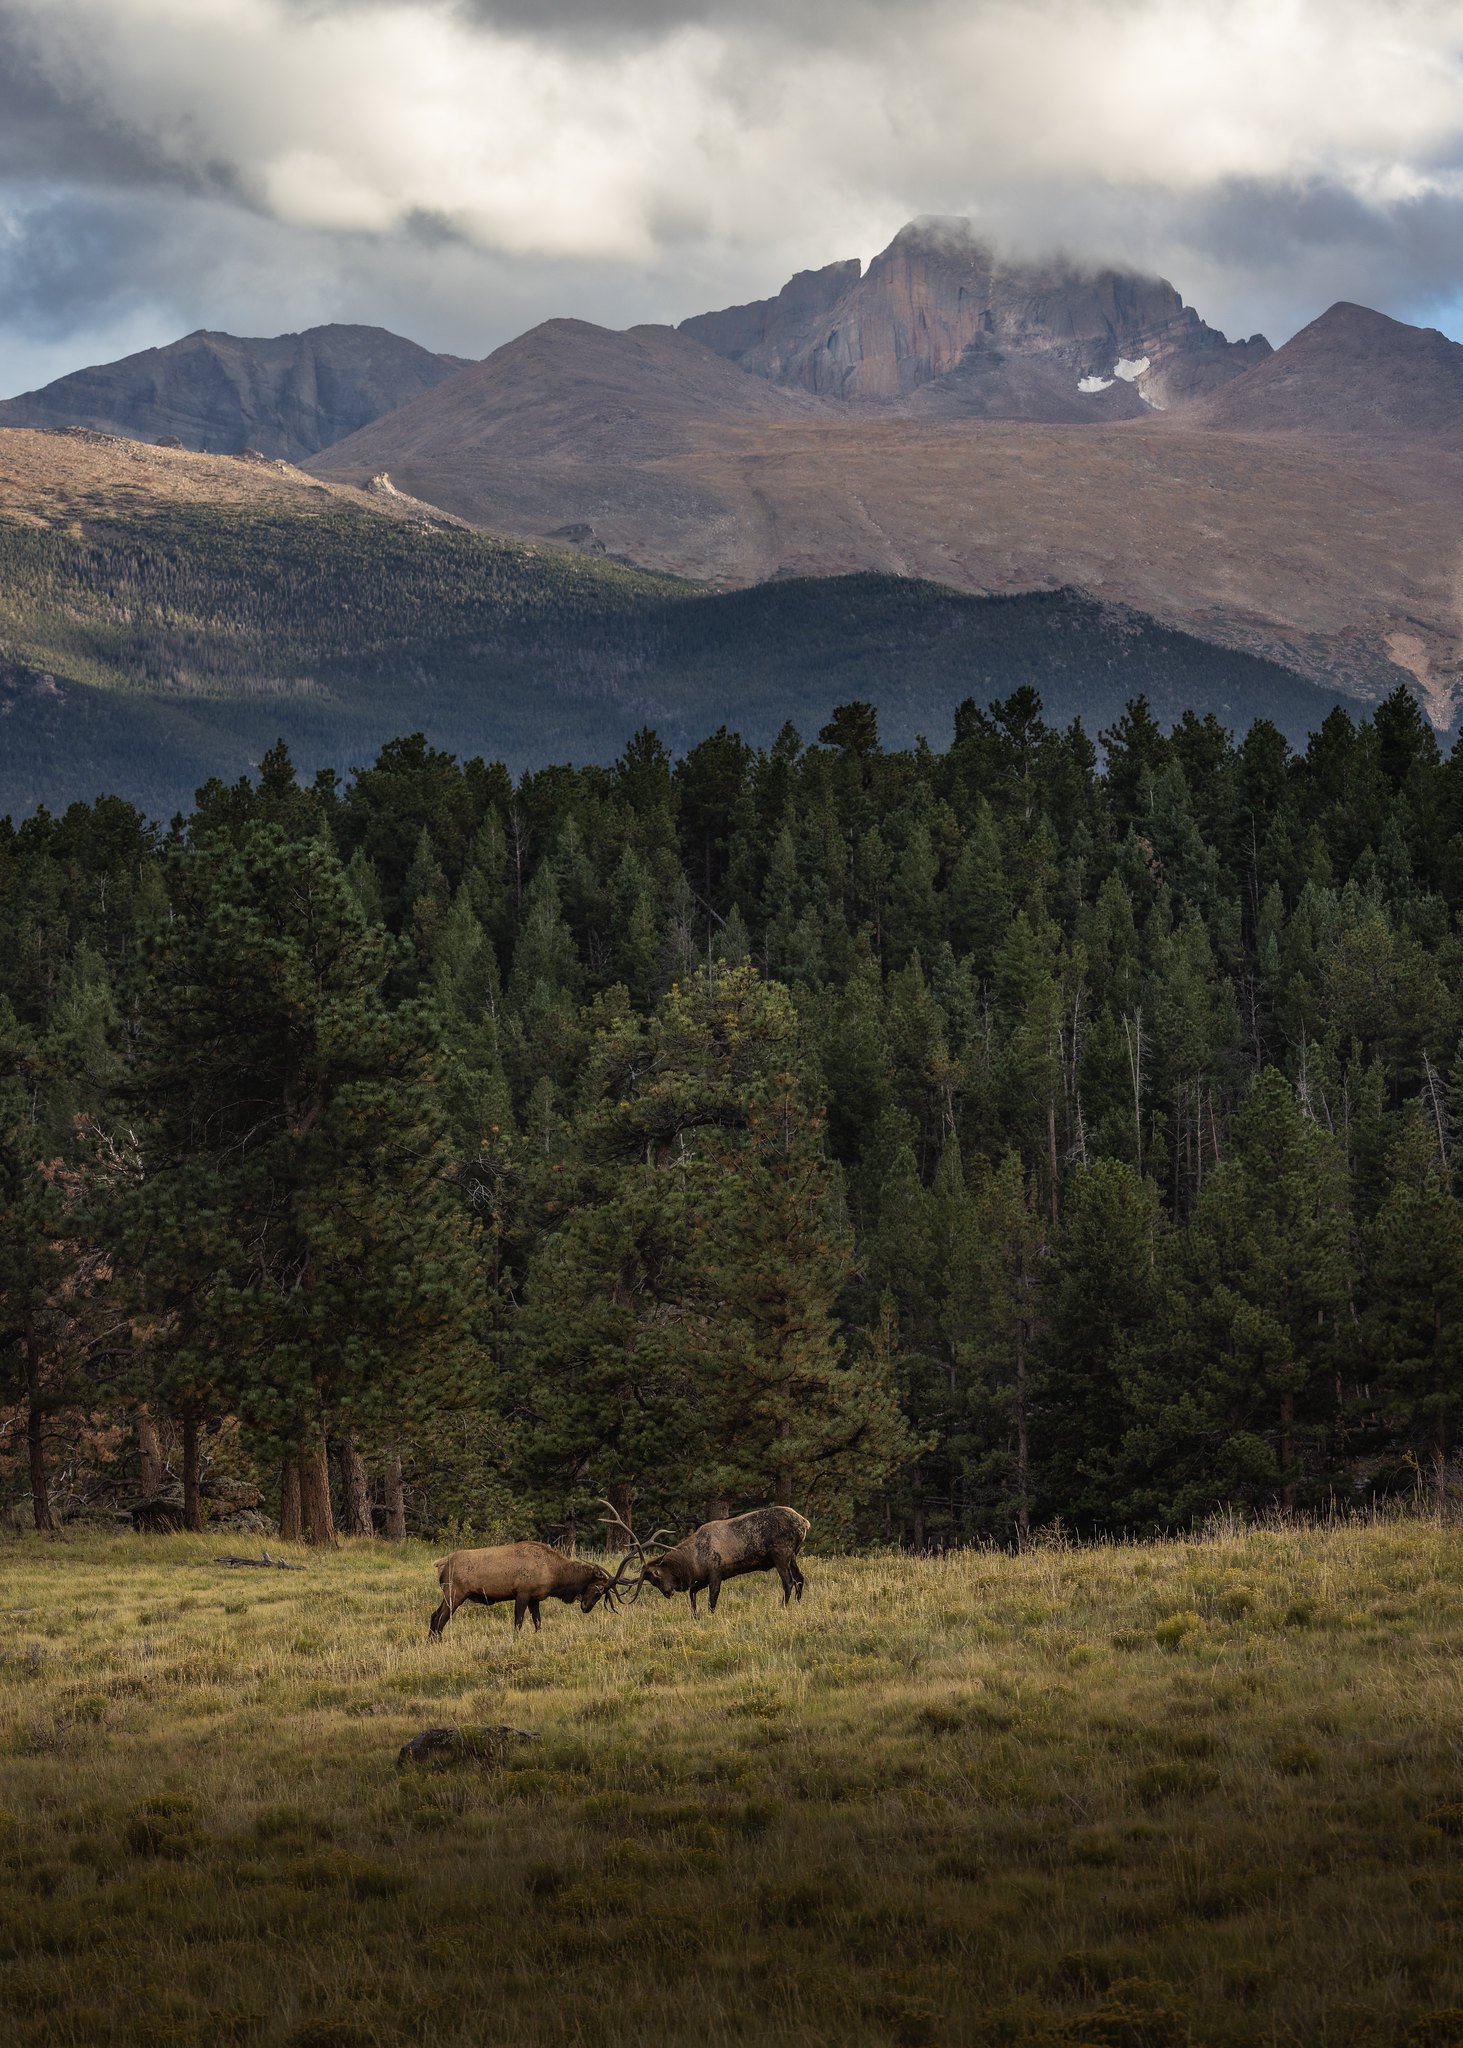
458 169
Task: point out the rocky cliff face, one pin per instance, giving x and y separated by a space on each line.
940 322
764 336
288 396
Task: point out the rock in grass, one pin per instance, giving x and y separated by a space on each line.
439 1747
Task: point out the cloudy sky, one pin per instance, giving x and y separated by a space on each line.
459 169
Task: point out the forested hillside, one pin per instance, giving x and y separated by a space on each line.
951 1143
150 642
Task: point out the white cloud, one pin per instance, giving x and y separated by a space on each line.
707 150
347 117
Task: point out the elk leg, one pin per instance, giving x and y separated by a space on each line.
713 1589
533 1614
784 1572
439 1621
798 1581
694 1591
520 1608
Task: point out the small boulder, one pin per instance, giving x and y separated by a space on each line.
440 1747
160 1515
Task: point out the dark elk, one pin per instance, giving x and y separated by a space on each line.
524 1573
767 1540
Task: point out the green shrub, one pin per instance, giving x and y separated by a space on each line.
164 1825
1173 1632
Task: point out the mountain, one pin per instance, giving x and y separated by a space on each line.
165 616
562 431
288 396
941 322
1352 371
1331 555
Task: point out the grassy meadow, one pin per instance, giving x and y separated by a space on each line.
1122 1797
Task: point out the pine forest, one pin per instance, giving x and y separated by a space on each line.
954 1145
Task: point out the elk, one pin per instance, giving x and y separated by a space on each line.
768 1539
524 1573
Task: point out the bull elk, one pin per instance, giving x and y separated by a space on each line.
524 1573
766 1540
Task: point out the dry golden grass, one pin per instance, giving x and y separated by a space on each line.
56 479
1206 1793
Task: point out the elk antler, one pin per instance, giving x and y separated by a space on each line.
613 1515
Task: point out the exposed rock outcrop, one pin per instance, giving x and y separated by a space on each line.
940 322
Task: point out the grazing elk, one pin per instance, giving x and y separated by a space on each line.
524 1573
766 1540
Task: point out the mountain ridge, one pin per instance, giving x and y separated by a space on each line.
285 395
165 616
1300 508
1350 370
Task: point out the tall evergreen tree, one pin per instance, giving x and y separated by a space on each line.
1413 1323
1234 1399
295 1239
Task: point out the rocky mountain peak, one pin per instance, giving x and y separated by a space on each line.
941 320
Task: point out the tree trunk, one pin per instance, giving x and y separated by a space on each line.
622 1500
395 1499
291 1522
192 1504
782 1492
718 1510
1051 1152
1023 1438
315 1509
35 1441
149 1455
355 1488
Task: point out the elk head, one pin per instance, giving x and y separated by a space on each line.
598 1586
662 1574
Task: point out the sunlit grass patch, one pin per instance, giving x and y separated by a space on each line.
1189 1793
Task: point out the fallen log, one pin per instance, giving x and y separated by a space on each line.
264 1562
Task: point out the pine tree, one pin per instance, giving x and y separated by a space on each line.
427 899
634 939
994 1318
1234 1400
32 1270
1413 1322
467 1001
979 896
295 1240
681 1337
1101 1292
49 1271
914 905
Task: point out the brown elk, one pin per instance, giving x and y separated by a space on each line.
768 1539
524 1573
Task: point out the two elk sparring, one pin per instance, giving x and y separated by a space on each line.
768 1539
